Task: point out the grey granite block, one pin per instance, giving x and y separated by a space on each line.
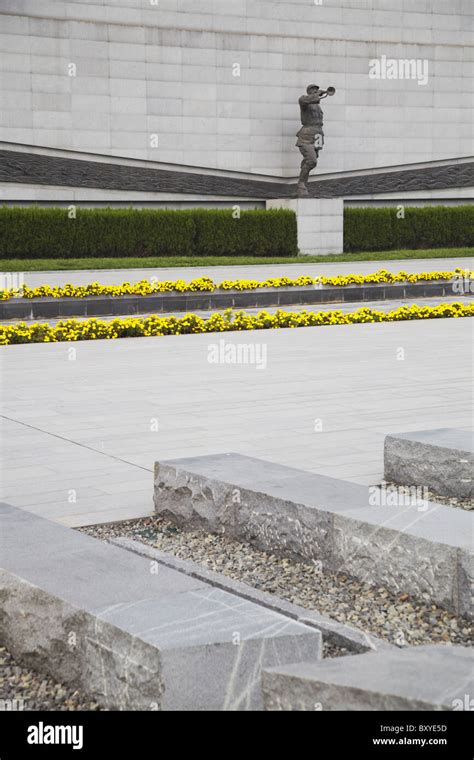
418 678
441 460
213 645
332 631
260 515
130 632
465 579
396 559
414 548
55 637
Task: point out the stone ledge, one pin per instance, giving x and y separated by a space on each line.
419 678
441 460
140 639
425 552
165 303
332 631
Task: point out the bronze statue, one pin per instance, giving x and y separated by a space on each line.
311 136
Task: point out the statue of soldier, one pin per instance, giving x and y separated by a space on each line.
311 136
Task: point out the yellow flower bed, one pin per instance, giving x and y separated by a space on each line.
96 329
205 284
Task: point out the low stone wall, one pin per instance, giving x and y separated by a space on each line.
100 306
419 678
440 460
132 633
424 550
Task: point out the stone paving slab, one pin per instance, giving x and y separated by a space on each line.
245 271
132 635
441 460
429 677
86 423
424 549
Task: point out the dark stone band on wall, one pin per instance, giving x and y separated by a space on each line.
33 168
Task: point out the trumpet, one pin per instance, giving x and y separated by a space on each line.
329 91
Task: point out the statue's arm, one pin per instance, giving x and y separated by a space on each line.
306 100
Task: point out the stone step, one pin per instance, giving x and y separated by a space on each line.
441 460
132 633
423 549
429 677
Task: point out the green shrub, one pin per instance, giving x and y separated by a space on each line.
35 232
254 233
381 229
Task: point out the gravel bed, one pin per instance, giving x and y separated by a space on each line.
397 619
451 501
448 501
29 690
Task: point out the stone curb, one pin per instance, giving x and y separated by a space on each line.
96 616
441 460
101 306
423 551
332 631
422 678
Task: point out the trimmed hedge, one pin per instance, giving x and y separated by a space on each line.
36 233
379 229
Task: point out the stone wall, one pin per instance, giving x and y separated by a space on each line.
164 70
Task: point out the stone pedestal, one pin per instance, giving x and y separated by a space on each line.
320 223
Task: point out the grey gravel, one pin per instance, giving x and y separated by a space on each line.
449 501
372 609
24 689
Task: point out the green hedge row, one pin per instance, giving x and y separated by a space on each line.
36 233
381 229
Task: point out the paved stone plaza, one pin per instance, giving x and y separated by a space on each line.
197 514
81 434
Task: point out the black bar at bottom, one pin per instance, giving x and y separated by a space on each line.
322 734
